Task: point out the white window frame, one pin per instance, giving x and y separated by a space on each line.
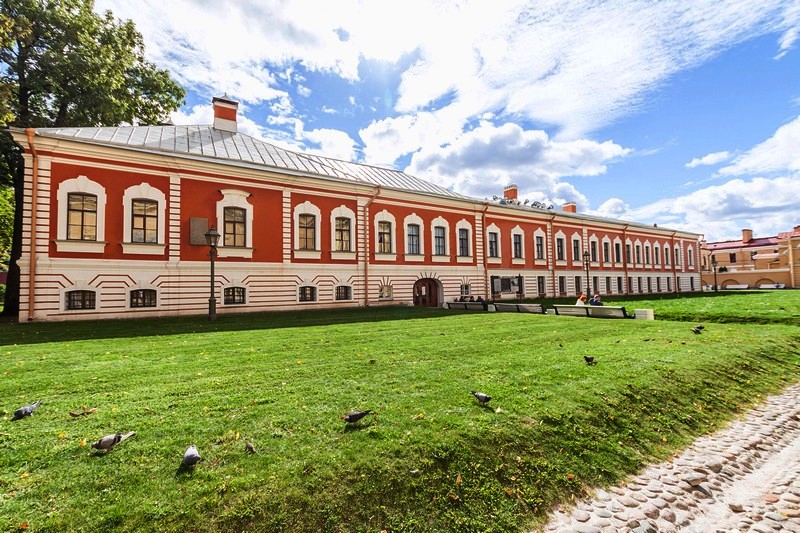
676 258
80 185
598 251
516 230
235 198
464 224
385 216
492 228
413 218
576 237
603 242
440 222
690 257
143 191
667 254
540 233
352 292
343 212
561 235
391 292
139 287
316 293
307 208
82 286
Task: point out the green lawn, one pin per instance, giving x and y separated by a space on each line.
432 459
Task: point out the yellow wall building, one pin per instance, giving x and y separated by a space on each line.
752 263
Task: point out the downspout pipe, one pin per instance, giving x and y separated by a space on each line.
30 132
552 268
674 262
486 288
625 258
367 246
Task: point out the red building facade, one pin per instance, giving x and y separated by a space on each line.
114 223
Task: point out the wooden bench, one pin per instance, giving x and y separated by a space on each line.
772 286
592 311
735 287
467 306
519 308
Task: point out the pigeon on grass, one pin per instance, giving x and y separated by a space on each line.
352 418
482 398
191 457
26 410
696 330
108 442
589 360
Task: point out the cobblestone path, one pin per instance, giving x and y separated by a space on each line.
745 477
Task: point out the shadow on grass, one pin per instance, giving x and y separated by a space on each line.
40 332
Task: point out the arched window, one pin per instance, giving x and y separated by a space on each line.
343 222
81 216
144 222
235 223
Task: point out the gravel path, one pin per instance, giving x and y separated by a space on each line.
745 477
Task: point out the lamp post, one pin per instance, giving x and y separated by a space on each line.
714 267
212 238
586 258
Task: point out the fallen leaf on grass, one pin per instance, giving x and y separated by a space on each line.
458 479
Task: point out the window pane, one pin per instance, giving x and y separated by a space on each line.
343 234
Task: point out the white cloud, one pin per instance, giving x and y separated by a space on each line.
765 205
304 91
781 152
713 158
792 33
481 161
332 143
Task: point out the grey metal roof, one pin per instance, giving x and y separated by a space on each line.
208 142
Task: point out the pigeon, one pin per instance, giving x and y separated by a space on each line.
589 359
26 410
108 442
352 418
701 326
250 448
482 398
191 457
696 331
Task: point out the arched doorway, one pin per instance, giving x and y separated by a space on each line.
426 292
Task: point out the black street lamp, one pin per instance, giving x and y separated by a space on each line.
586 259
212 238
714 267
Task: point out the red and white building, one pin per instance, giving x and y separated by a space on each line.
115 217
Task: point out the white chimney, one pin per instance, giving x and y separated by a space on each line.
225 113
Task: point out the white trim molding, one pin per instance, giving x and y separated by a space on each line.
343 212
306 208
81 184
143 191
413 218
385 216
442 223
235 198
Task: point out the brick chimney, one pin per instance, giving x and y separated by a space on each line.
747 235
510 192
570 207
225 113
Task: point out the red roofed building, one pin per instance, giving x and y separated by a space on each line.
765 262
115 219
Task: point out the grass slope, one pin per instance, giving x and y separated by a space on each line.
432 459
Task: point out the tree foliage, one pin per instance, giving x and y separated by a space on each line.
63 64
6 224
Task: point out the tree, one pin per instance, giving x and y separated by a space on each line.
65 65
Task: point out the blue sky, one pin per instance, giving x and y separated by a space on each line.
685 114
